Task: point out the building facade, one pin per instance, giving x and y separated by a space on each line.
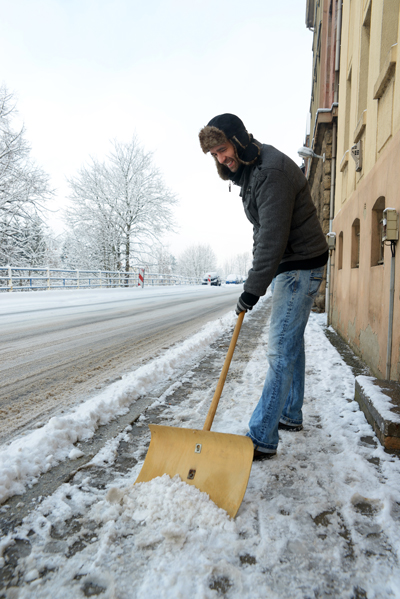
323 19
364 300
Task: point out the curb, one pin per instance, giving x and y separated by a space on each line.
380 402
378 399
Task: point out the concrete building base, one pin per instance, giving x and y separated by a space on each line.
386 424
383 414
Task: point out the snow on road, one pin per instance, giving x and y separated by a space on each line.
58 347
320 520
20 307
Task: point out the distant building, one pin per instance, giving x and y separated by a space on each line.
363 309
322 17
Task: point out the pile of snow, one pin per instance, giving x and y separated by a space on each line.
22 461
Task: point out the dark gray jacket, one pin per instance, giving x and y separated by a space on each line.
277 201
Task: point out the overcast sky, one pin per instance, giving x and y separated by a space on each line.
87 71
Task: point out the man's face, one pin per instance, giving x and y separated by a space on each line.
225 154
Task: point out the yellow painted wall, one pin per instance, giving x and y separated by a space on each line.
382 117
369 110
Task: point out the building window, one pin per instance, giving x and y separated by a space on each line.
347 140
340 251
364 63
377 245
355 243
390 19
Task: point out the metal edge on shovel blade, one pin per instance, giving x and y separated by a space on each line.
218 464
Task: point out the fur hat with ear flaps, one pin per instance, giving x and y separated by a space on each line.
228 127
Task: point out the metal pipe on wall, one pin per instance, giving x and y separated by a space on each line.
328 288
391 309
338 36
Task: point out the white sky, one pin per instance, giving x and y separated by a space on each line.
85 72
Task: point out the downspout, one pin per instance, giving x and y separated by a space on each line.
391 305
329 289
338 42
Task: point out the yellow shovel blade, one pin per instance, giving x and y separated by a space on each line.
218 464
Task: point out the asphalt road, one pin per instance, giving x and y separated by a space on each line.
59 348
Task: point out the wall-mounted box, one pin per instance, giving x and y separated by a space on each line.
390 225
331 240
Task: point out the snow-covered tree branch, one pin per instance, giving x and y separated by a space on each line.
24 187
119 208
239 264
196 260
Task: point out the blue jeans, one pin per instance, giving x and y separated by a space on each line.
282 397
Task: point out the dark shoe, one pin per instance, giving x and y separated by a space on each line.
288 427
262 455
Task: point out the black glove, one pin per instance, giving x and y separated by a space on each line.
246 302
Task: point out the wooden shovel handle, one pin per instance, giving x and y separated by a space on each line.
225 368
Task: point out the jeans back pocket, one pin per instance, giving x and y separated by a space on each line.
316 276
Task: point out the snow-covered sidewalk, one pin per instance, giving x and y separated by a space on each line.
322 519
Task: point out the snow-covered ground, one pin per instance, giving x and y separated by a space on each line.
23 460
320 520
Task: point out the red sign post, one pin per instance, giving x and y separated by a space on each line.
141 277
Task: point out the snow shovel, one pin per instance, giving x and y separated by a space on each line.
218 464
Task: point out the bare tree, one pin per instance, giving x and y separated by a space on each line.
96 247
196 260
29 244
164 262
24 187
229 266
243 262
120 206
238 264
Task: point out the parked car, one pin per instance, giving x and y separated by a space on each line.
214 278
233 279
